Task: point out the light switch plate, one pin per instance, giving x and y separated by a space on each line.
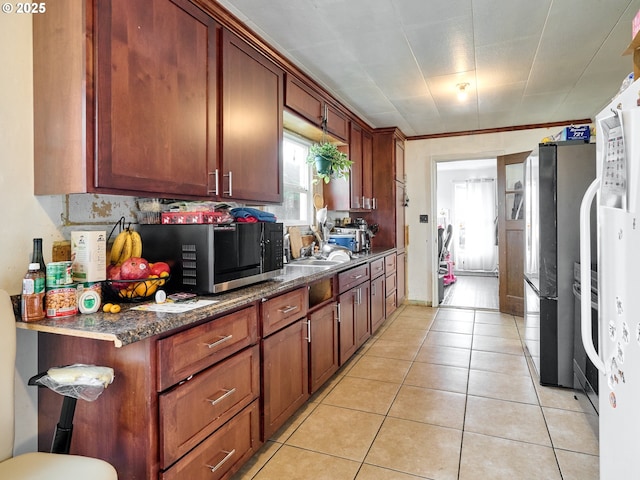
424 218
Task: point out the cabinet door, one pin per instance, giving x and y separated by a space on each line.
377 302
156 97
400 278
337 122
348 342
399 161
400 205
323 345
252 104
304 101
355 177
362 318
367 170
285 375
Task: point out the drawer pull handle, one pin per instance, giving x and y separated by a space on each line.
288 309
356 277
226 457
218 342
222 397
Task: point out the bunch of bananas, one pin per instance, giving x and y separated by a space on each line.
127 244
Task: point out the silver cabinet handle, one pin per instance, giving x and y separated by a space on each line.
373 289
230 175
338 309
308 331
222 397
227 457
356 277
375 203
288 309
215 190
218 342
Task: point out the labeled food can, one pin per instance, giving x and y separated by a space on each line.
59 273
61 301
89 301
95 286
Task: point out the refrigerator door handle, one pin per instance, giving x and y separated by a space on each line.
585 275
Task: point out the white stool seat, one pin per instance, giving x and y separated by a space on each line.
49 466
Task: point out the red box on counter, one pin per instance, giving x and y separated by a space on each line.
195 217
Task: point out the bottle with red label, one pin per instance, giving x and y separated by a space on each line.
33 294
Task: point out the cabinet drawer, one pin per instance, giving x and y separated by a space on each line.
390 304
391 284
193 350
280 311
224 452
377 268
353 277
390 264
196 408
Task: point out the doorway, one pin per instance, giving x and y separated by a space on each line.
467 264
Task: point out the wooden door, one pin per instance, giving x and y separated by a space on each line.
347 328
252 105
285 375
156 97
362 314
511 232
377 302
355 177
323 345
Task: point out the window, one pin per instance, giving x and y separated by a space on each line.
296 208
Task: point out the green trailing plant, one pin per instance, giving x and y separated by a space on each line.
329 162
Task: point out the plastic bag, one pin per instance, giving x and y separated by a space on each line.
85 382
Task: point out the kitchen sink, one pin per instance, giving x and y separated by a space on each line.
309 265
315 262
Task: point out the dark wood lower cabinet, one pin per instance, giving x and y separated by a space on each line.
285 375
355 328
377 302
323 345
222 453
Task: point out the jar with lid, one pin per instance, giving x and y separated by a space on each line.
33 294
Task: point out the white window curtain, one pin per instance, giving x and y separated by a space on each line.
475 246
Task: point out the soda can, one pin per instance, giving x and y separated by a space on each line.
59 273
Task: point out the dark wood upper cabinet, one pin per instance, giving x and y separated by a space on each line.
156 91
304 101
337 122
389 193
309 104
153 98
252 105
124 98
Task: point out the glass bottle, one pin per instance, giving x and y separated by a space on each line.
33 294
36 256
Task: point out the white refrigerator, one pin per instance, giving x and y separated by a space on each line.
616 196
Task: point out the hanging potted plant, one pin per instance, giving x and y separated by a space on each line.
329 161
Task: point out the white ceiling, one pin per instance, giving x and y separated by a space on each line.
397 62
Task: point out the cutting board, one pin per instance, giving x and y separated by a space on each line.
295 240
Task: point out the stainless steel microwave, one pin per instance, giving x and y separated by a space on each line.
215 258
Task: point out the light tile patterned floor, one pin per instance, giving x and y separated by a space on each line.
435 394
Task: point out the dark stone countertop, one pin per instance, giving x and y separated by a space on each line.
130 326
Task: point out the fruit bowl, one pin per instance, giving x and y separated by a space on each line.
135 290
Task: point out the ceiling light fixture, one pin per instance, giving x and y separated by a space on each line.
462 91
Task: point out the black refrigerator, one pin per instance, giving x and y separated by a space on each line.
556 176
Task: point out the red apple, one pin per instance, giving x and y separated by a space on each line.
134 268
159 267
113 273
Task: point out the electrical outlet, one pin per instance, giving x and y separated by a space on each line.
424 218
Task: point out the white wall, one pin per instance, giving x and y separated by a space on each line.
420 158
25 216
